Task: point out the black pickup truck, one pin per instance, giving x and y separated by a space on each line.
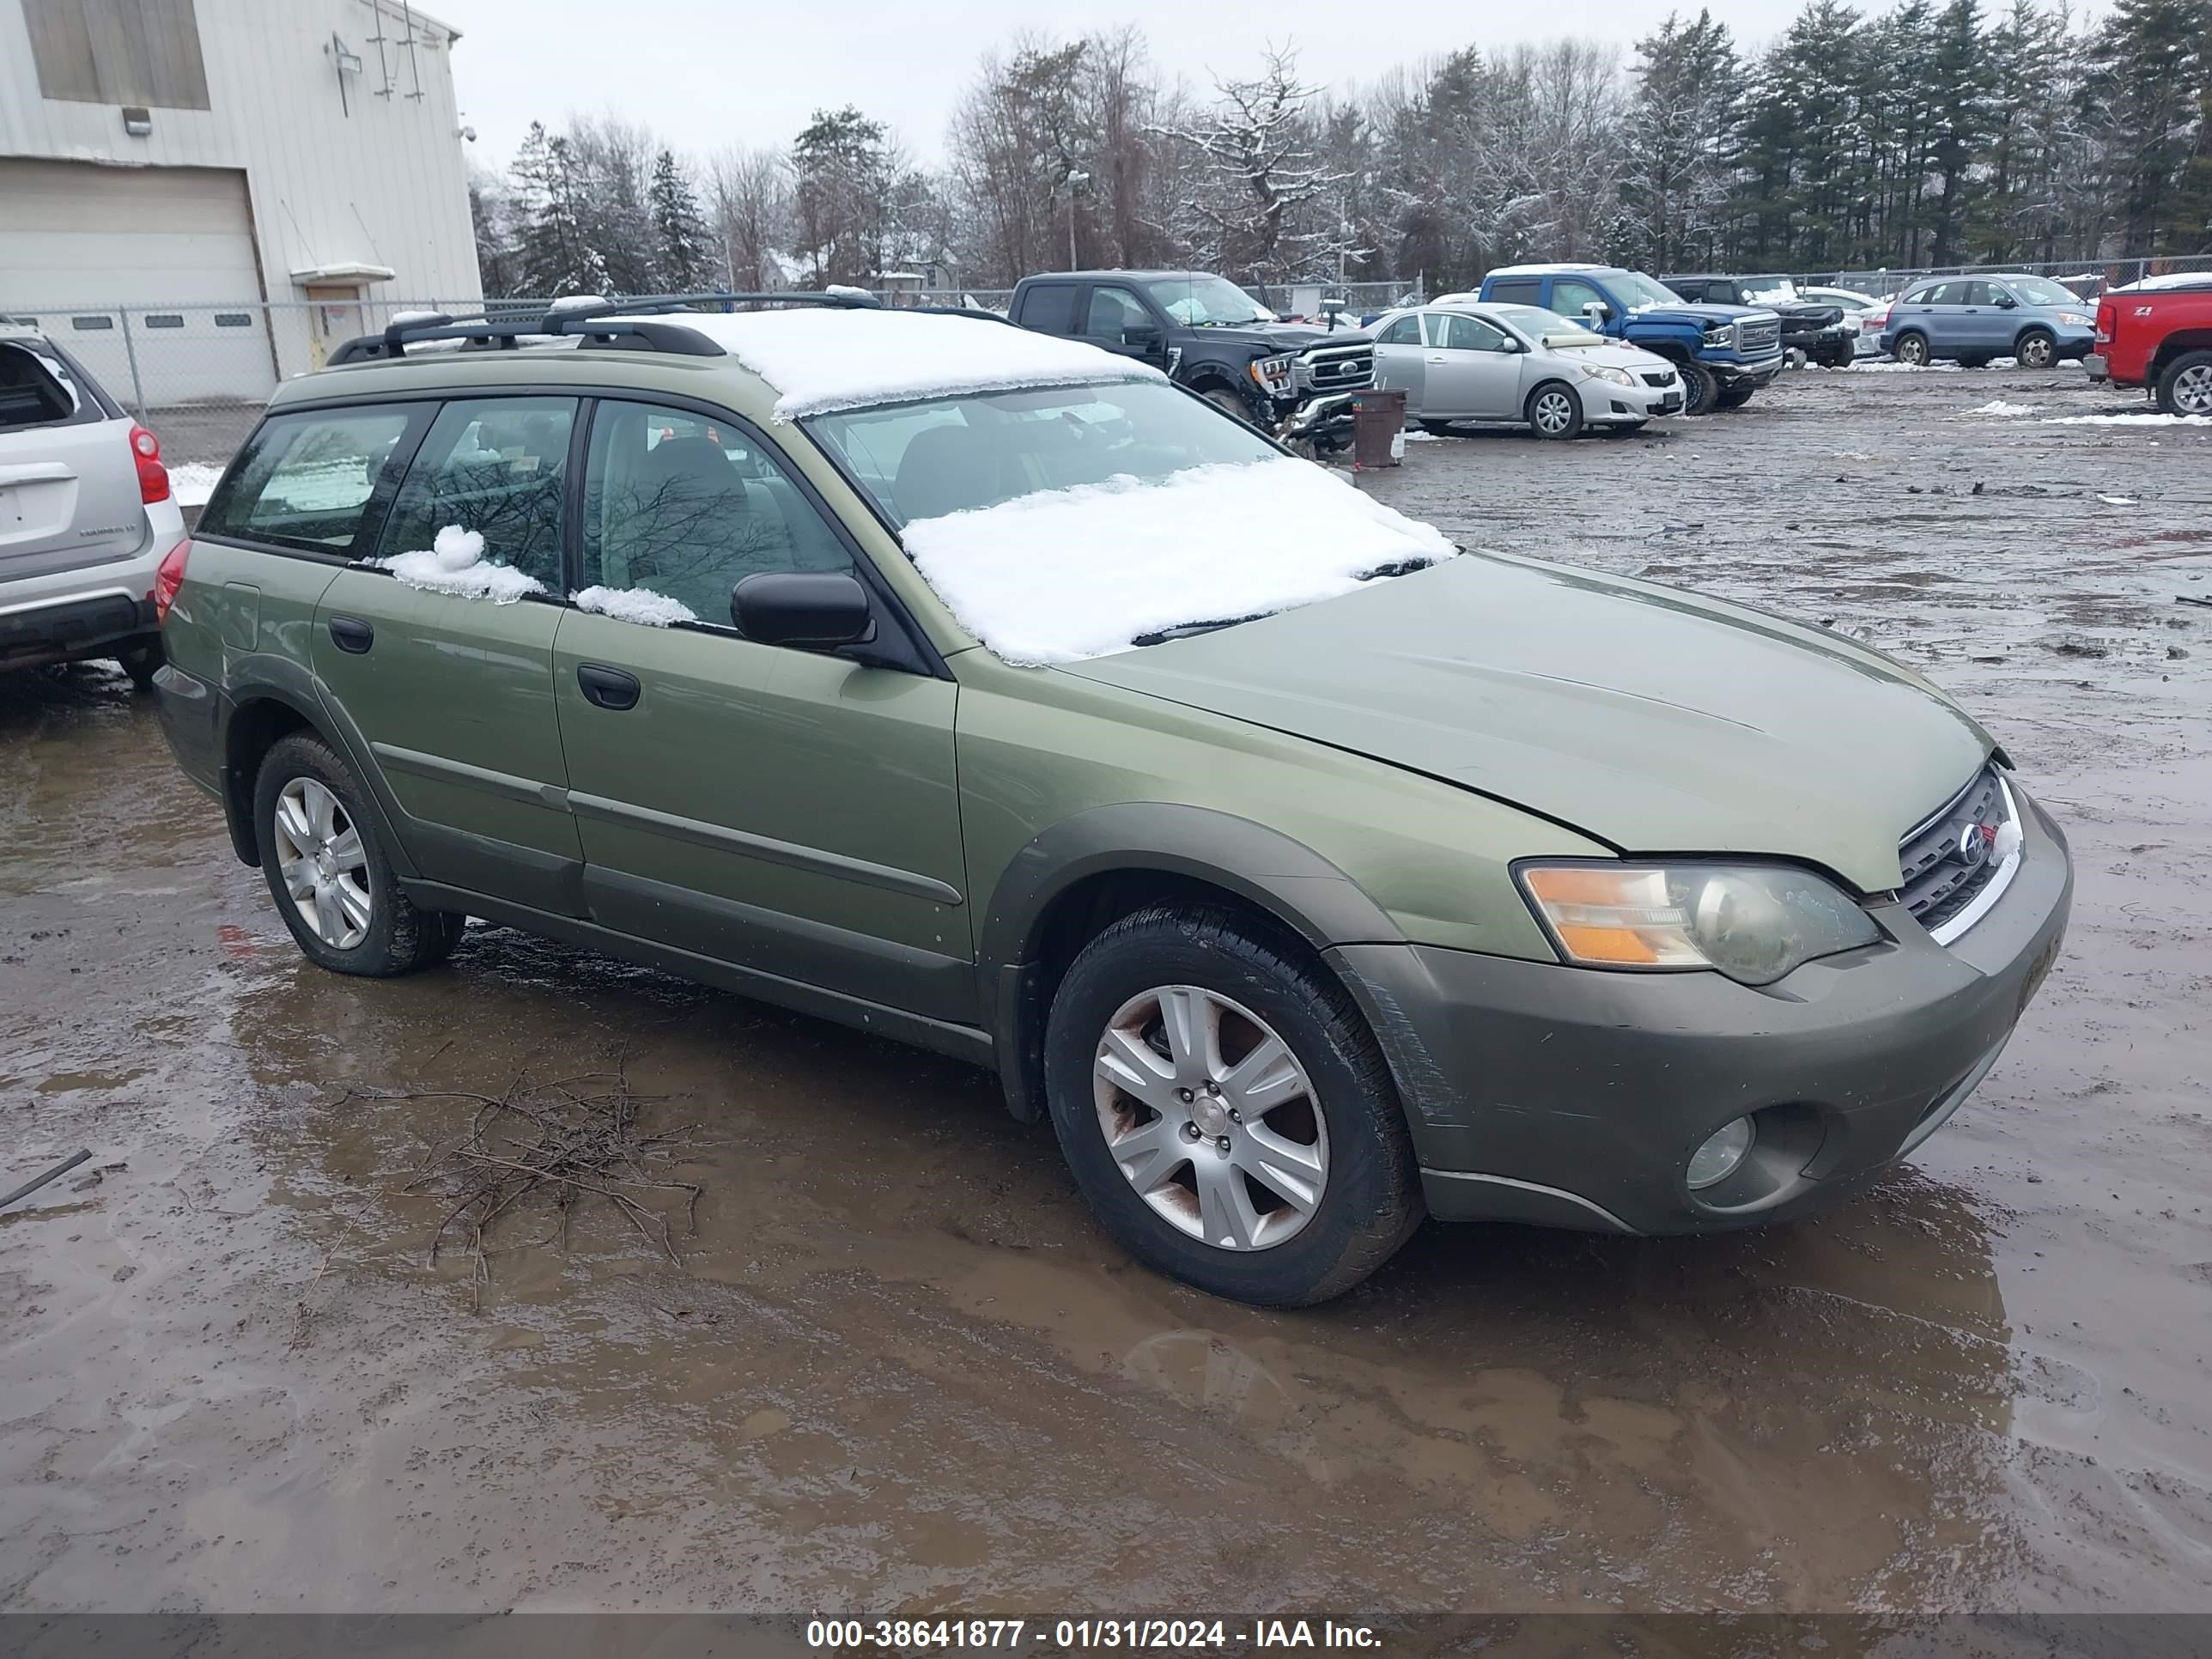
1821 331
1294 380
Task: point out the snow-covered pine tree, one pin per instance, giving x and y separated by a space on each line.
683 246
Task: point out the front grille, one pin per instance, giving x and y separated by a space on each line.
1754 337
1941 879
1339 369
1662 377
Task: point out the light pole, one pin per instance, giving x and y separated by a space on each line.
1074 180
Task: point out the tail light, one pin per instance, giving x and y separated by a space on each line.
153 476
168 577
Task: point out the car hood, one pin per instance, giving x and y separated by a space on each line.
1698 314
1808 313
1284 337
1653 720
1634 359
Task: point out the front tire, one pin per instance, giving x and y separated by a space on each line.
1701 388
1553 411
1438 428
1226 1111
2038 349
1911 349
332 883
2185 385
1736 395
1230 401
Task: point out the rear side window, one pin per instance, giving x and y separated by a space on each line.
1515 290
306 480
1405 331
496 465
1049 306
35 390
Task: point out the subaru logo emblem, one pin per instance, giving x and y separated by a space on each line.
1973 845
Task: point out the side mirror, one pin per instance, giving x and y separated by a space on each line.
2005 302
813 609
1596 310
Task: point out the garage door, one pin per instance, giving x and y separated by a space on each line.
173 243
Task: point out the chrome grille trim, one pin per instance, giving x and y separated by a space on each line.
1944 894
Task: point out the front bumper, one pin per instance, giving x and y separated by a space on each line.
1604 402
1758 371
1574 1097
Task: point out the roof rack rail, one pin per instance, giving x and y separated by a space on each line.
616 322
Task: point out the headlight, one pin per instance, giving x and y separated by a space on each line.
2074 320
1753 922
1274 374
1617 376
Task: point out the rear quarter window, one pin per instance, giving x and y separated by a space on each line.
309 480
38 390
1050 307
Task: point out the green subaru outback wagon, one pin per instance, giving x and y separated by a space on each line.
986 690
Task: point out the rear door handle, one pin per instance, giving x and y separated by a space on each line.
351 633
608 687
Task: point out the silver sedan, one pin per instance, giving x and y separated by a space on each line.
1518 365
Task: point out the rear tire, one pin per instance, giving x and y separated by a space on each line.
2038 349
1911 349
1700 388
141 663
1553 411
1335 1132
331 881
2185 386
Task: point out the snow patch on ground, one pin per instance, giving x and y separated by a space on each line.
1999 406
192 483
1891 365
454 564
2127 420
635 604
821 359
2118 501
1064 575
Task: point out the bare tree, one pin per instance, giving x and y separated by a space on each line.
749 191
1261 164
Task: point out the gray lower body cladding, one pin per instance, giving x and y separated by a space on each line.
1574 1096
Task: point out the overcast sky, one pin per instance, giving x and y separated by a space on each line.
750 71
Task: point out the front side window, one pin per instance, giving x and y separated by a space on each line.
306 480
495 466
685 505
953 454
1472 334
1114 312
1570 294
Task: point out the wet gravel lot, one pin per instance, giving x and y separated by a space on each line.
899 1372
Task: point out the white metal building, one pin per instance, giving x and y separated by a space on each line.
255 179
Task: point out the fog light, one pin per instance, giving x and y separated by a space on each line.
1722 1155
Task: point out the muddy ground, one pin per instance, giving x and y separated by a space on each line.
899 1371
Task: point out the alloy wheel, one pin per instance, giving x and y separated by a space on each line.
324 865
1211 1118
2192 389
1912 349
1553 411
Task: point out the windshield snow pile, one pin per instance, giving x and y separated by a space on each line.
824 359
1064 575
455 564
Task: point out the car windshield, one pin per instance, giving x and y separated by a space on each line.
1206 302
2040 291
1637 290
1769 290
922 460
1544 324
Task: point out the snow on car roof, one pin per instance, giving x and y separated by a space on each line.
1544 270
821 359
2172 279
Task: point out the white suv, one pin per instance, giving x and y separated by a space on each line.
86 516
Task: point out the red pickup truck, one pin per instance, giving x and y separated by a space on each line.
2158 333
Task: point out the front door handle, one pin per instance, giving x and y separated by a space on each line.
351 633
608 687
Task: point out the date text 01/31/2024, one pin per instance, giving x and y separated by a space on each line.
927 1635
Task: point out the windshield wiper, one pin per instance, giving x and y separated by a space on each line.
1192 630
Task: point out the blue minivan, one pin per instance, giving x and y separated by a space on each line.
1974 320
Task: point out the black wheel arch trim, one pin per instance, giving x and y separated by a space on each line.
1265 868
